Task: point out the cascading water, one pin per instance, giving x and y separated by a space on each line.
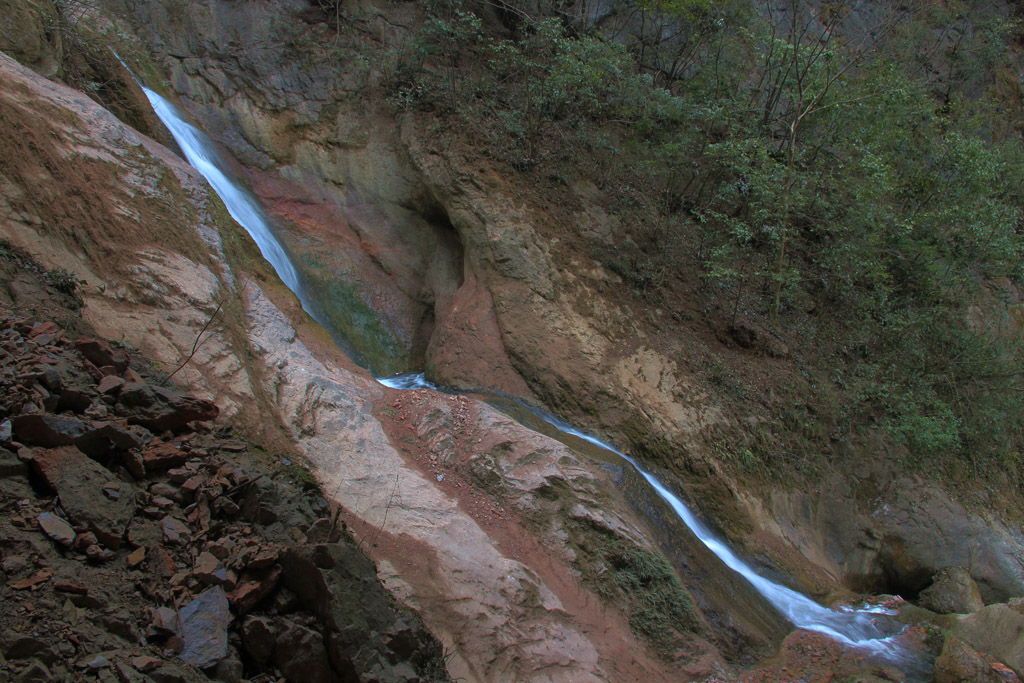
201 154
870 630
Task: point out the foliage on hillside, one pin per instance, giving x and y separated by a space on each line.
848 176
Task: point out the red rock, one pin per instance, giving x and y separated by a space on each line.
253 588
85 540
130 375
146 664
163 456
136 557
66 587
191 485
100 353
132 462
161 563
109 384
47 327
162 503
165 620
39 577
210 570
265 557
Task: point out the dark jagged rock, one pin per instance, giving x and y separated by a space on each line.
192 539
105 438
79 482
11 465
300 653
204 625
160 409
47 430
338 583
258 638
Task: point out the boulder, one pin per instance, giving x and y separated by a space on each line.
960 663
204 625
175 531
998 631
80 482
953 591
253 587
163 456
160 409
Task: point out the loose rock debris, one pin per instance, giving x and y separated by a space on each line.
139 544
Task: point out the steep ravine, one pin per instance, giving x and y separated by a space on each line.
501 597
466 287
398 215
871 631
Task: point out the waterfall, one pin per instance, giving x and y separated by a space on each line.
871 630
243 207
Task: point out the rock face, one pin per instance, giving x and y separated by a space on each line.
28 37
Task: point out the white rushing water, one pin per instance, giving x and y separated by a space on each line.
242 206
867 629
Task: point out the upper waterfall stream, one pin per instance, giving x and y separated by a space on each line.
871 630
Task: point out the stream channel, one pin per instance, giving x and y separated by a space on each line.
873 631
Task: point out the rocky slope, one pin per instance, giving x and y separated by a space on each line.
139 545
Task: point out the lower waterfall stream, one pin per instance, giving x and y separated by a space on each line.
873 631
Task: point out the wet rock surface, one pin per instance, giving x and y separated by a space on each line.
160 571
